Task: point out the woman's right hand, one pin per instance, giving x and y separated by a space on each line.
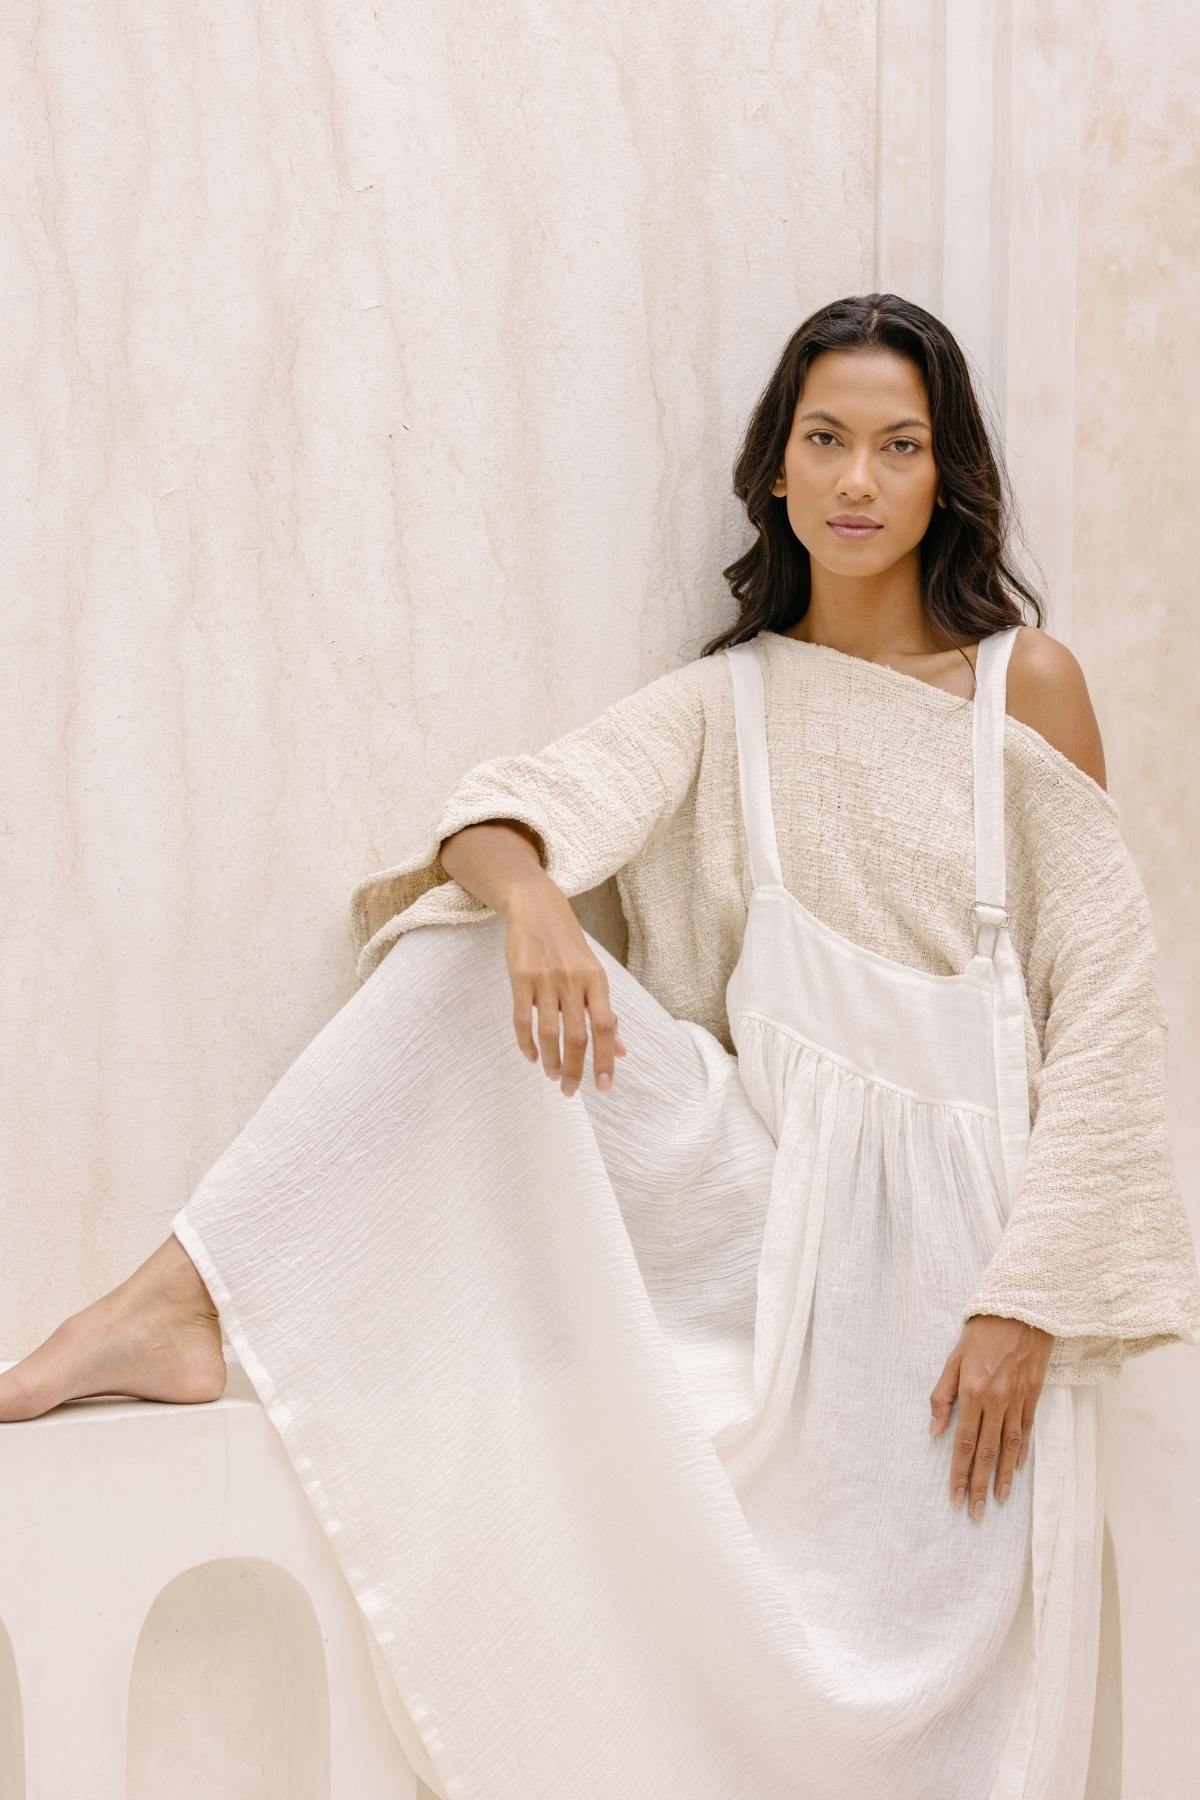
552 967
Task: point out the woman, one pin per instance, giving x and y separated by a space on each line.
655 1433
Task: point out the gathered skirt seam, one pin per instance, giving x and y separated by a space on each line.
895 1087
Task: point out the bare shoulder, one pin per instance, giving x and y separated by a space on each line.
1047 690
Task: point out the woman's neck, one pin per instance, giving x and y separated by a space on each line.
880 618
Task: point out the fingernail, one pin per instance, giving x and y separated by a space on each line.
568 1088
1003 1490
605 1080
977 1510
960 1495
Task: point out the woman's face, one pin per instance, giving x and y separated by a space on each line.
860 444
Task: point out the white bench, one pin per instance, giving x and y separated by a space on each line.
103 1503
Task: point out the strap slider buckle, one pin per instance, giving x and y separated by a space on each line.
988 912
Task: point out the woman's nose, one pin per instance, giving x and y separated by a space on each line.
857 479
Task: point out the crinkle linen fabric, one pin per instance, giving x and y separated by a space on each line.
615 1408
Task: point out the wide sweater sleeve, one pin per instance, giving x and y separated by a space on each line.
590 800
1097 1248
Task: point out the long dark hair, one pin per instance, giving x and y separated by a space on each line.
969 586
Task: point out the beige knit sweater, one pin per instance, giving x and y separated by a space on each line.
872 793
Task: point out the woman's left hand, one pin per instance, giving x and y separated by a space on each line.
996 1371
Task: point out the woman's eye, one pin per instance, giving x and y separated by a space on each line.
912 444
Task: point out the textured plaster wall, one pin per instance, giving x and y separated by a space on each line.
371 381
1134 630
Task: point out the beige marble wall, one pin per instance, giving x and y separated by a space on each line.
372 379
1137 449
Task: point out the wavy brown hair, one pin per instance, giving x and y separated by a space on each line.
969 585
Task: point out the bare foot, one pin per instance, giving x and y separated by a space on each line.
156 1337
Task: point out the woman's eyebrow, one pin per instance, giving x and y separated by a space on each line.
842 426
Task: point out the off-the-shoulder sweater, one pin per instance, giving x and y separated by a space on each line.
871 786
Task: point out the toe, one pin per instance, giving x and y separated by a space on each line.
22 1396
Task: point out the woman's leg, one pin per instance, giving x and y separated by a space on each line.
493 1326
157 1336
688 1158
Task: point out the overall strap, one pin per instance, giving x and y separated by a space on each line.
987 740
754 781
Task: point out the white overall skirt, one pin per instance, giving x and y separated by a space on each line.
615 1407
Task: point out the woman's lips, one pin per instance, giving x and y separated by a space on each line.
853 532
